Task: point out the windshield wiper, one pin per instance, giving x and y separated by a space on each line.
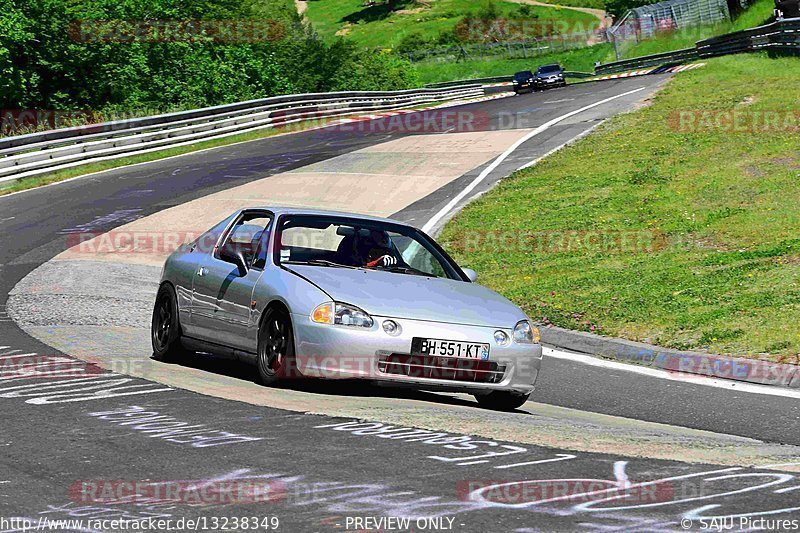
318 262
407 270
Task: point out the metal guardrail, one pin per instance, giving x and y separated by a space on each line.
482 81
38 153
503 79
655 60
781 35
577 74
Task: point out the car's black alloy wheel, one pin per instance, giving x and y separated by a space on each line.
165 329
275 347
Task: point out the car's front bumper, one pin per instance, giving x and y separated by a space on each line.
550 82
369 353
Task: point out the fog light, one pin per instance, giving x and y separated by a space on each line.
500 337
391 327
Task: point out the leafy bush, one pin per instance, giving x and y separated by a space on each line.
44 65
374 72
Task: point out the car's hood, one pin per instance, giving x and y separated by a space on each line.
414 297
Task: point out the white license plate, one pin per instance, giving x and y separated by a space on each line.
445 348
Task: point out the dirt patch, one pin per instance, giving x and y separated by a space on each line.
754 172
412 11
788 161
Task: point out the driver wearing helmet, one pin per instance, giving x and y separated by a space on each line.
377 250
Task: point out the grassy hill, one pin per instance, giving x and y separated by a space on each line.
583 59
385 25
711 218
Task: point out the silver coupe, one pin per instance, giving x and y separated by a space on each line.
308 293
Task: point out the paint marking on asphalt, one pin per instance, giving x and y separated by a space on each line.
578 137
779 465
620 474
502 157
693 379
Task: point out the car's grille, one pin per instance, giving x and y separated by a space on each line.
449 368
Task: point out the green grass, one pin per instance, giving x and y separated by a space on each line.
760 12
378 27
722 208
580 59
583 59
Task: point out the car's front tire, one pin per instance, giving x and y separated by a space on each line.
165 326
275 347
502 400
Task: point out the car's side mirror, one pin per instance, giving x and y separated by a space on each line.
471 274
234 256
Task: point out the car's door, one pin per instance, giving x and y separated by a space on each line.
222 296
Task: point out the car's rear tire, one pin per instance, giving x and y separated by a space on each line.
275 347
165 326
502 400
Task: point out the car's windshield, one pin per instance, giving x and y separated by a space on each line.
343 242
549 69
523 75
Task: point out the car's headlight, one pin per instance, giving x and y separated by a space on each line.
341 314
524 333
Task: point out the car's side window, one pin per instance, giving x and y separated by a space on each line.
249 235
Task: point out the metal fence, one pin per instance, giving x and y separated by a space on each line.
38 153
505 49
668 16
781 36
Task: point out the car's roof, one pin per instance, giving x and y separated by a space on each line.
287 210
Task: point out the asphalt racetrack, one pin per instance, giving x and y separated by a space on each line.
600 448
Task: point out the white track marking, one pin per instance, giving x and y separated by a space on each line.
620 474
578 137
511 149
559 457
778 465
691 379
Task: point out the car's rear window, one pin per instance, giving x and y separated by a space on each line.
523 75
